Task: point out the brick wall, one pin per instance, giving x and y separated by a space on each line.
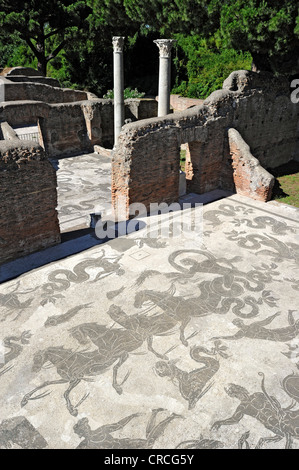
256 105
71 121
154 177
28 200
250 178
71 128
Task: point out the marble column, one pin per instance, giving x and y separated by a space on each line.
118 76
165 46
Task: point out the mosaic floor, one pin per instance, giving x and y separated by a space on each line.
84 187
159 343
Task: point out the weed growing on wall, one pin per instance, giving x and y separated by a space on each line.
128 93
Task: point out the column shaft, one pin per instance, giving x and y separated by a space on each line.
165 46
118 76
164 87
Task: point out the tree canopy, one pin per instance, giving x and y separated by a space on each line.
269 30
176 16
44 26
214 37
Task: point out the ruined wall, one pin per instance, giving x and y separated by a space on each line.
64 127
65 130
180 103
46 80
33 91
135 109
147 108
250 178
27 74
28 200
256 105
16 71
70 121
265 116
145 181
72 128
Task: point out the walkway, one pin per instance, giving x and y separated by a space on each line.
196 332
84 187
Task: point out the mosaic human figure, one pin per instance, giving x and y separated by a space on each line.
101 438
283 422
257 330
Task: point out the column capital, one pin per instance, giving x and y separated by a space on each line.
118 43
165 46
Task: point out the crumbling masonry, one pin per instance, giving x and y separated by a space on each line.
249 125
232 138
65 122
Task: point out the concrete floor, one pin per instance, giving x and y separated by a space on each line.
151 342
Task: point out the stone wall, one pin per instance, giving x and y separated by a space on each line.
135 109
70 121
28 200
256 105
72 128
33 91
17 71
27 74
180 103
154 175
250 178
46 80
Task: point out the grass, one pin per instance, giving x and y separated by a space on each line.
286 188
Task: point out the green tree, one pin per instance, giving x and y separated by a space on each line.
265 28
269 30
41 24
206 64
113 14
88 60
175 16
9 44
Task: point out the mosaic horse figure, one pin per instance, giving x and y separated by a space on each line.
144 326
75 366
72 367
136 330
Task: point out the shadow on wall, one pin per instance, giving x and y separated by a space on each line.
251 110
71 121
28 199
145 163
